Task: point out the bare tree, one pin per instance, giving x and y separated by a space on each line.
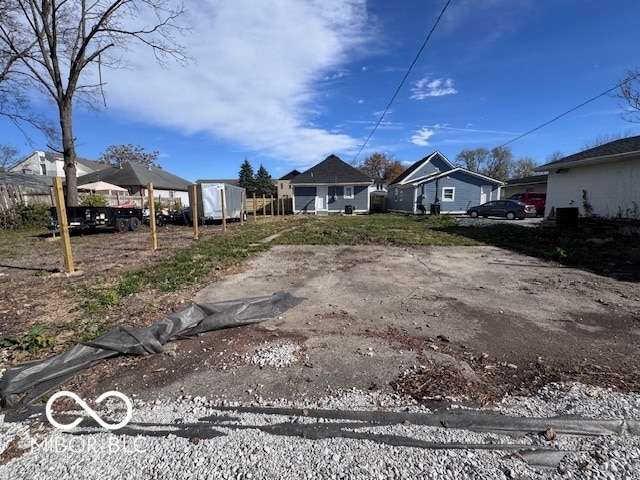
119 154
629 92
381 167
523 167
497 163
8 156
59 47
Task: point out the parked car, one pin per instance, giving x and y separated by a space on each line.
537 199
509 209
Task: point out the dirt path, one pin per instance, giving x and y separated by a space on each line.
466 322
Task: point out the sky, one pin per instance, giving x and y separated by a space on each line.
285 83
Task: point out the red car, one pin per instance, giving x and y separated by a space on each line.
536 199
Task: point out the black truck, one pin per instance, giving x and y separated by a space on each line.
122 218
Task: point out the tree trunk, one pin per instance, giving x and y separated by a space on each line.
69 152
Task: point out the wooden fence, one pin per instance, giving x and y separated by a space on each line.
11 195
269 206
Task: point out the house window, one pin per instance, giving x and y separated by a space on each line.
448 194
348 192
43 169
281 186
401 194
396 195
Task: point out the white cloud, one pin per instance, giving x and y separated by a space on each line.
436 87
257 63
421 136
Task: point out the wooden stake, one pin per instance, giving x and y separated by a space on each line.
63 224
152 218
224 210
194 210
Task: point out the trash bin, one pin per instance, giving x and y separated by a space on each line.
435 209
567 217
348 209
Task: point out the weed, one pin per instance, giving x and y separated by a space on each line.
41 273
34 340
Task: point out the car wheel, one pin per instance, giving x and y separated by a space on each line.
122 224
134 224
511 216
473 214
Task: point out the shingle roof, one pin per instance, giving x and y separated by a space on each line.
92 164
617 147
332 170
137 175
290 175
39 182
527 180
408 171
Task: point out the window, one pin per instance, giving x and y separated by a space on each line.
43 169
448 194
401 195
348 192
396 195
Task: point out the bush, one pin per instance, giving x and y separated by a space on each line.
22 215
94 201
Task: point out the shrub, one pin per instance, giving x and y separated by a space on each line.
94 201
22 215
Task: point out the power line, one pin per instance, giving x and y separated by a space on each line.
424 44
629 79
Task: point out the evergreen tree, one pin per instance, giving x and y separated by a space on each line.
263 182
246 179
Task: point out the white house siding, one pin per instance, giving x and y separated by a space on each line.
612 189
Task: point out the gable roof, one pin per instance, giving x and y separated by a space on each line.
290 175
612 151
137 175
461 170
332 170
406 175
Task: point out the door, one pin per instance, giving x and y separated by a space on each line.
321 198
485 193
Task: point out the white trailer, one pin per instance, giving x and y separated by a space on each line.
210 202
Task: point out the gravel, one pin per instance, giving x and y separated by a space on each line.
201 438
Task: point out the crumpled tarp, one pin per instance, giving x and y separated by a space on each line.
41 376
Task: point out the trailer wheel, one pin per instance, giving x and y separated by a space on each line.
122 224
134 224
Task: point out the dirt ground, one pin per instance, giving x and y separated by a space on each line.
470 323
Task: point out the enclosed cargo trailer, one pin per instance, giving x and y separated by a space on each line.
209 202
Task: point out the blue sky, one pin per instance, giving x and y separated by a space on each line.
285 83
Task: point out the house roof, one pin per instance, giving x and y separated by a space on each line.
235 182
461 170
290 175
39 182
409 171
527 180
137 175
612 151
91 164
332 170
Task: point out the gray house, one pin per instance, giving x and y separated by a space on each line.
331 186
435 185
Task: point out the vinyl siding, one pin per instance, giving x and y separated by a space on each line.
612 189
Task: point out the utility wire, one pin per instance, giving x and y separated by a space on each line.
629 79
424 44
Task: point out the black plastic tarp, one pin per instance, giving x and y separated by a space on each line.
23 384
